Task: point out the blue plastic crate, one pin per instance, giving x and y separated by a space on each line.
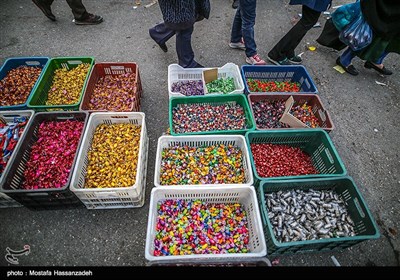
291 73
15 62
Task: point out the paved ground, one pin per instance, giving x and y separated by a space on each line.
365 114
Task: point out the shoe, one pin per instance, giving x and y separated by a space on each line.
235 4
349 69
295 59
197 65
45 9
239 45
383 71
255 60
163 46
280 62
89 20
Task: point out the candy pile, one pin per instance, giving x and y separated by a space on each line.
10 132
299 215
16 86
224 85
305 114
256 85
52 155
114 93
113 156
281 160
67 85
208 117
220 164
268 113
188 88
196 227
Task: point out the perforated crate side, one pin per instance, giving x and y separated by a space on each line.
40 199
14 62
200 141
104 69
118 197
177 73
233 99
226 194
287 73
365 226
37 100
315 142
312 100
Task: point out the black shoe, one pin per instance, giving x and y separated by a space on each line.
235 4
349 69
383 71
45 9
164 47
295 59
89 20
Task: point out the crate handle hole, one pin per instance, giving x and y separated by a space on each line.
358 206
37 194
65 118
74 62
32 63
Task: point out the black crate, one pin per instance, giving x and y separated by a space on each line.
40 199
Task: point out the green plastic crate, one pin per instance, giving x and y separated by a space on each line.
37 100
216 99
315 142
365 226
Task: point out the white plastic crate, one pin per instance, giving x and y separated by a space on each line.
177 73
200 141
110 198
245 195
6 201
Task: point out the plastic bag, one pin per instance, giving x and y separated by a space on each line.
357 35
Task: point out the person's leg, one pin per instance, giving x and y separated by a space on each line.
78 9
378 65
45 7
380 60
247 10
286 46
161 34
81 16
184 48
236 32
345 61
346 57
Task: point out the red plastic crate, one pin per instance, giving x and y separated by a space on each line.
104 69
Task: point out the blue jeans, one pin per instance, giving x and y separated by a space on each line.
348 55
243 25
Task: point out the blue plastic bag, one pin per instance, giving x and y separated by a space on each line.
357 35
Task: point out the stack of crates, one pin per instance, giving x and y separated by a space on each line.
331 172
8 112
242 193
73 193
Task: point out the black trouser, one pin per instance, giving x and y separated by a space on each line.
286 46
161 34
78 10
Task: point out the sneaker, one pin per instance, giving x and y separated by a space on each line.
45 9
255 60
90 19
239 45
280 62
295 59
